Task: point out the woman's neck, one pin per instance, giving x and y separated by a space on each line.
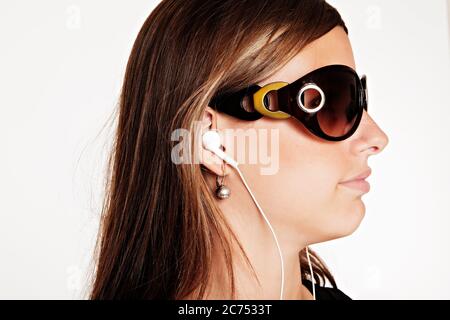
254 235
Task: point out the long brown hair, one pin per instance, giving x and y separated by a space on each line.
160 224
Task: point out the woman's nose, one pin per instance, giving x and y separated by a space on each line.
375 139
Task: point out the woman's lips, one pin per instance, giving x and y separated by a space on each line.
359 184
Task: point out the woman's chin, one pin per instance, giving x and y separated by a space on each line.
347 222
353 218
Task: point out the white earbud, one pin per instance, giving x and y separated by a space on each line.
211 142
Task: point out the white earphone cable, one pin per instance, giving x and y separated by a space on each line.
211 141
270 227
312 274
276 239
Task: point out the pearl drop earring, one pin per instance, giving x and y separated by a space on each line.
222 191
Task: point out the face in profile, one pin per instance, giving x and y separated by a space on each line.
305 196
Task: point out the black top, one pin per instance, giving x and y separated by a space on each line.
326 293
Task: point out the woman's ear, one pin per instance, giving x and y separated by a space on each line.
208 159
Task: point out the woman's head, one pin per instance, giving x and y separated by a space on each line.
303 190
161 224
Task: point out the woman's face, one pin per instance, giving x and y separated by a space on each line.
303 196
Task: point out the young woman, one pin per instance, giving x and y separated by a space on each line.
206 230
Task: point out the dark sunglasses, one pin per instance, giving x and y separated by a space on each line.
329 101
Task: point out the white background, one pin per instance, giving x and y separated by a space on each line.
61 68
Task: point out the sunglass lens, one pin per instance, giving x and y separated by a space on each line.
340 111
